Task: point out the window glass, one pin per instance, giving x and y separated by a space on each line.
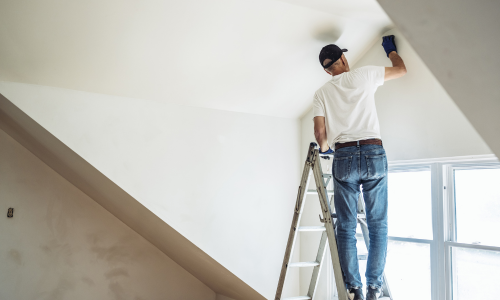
404 274
475 273
410 204
408 270
477 204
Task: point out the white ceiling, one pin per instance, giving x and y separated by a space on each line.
256 56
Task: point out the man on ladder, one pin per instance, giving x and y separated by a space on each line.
345 117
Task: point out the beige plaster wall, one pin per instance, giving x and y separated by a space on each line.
222 297
61 244
214 176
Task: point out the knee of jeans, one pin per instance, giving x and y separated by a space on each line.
377 223
347 227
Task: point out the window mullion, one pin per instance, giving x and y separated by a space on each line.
438 227
449 227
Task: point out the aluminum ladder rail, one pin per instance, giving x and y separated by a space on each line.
313 164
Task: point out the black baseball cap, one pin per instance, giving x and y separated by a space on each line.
332 52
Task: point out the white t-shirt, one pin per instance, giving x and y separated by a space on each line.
347 102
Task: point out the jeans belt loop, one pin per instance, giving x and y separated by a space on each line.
357 142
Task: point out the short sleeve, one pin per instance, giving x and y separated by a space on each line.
373 74
318 107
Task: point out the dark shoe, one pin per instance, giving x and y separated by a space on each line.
356 294
373 293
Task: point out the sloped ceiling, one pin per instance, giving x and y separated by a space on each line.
256 56
92 182
459 42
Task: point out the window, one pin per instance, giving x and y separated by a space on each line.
410 233
477 206
444 215
444 223
410 204
475 273
474 240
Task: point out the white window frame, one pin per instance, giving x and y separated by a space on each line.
443 214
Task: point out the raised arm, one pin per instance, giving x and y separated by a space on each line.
320 133
398 68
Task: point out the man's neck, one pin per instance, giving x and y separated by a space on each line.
338 72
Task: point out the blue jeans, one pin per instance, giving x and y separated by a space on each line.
364 165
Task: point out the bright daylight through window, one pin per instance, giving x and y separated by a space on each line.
443 222
477 206
410 216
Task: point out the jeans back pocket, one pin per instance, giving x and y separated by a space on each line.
376 166
342 167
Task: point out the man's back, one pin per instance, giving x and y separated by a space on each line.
347 102
345 118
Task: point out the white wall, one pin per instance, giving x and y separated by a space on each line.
216 177
61 244
458 40
418 119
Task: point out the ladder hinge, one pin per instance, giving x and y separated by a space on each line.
325 220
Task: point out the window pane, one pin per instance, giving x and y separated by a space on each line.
475 274
410 206
408 270
477 200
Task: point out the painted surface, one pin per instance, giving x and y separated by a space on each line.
258 56
119 203
418 119
222 297
458 40
61 244
214 176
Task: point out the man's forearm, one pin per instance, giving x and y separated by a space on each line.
396 60
321 139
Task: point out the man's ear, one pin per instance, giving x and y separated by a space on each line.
342 58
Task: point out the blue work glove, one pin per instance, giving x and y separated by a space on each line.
329 151
388 44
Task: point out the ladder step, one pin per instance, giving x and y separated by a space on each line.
360 216
304 264
312 228
330 192
363 257
327 175
300 298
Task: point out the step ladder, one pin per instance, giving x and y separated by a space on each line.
313 165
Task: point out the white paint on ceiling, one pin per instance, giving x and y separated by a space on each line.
363 10
256 57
